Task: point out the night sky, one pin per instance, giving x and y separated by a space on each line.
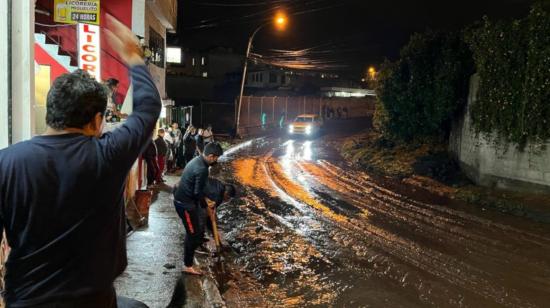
349 33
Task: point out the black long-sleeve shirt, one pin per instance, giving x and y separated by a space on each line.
190 144
214 190
61 205
193 181
150 151
162 147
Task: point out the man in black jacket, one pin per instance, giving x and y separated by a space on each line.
162 151
188 196
61 193
217 192
150 157
189 144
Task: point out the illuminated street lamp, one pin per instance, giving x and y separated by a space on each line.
280 22
372 73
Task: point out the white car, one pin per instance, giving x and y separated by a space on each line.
306 124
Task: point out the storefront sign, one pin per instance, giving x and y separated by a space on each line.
72 11
89 49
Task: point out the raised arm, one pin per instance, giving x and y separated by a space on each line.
125 143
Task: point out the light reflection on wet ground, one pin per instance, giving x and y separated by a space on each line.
314 232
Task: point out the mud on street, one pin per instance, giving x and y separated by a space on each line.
310 231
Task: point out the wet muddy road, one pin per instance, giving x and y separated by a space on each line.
311 231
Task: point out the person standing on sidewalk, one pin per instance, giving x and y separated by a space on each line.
175 134
61 193
188 197
208 135
150 157
199 141
162 152
189 144
171 158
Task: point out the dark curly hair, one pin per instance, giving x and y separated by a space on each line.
74 99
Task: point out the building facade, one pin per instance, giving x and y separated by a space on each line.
36 48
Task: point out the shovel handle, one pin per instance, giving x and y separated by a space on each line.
213 220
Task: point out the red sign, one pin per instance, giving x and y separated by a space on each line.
89 49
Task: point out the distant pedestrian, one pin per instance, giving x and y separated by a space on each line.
331 112
188 196
282 120
264 120
199 141
162 152
339 112
175 134
150 157
170 158
189 144
345 112
208 135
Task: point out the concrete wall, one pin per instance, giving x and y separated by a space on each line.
504 167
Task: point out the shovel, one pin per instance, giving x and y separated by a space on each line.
212 215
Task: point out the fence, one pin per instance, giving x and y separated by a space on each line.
269 111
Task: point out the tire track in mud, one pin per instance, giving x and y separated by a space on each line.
479 248
381 251
431 261
270 249
326 266
477 238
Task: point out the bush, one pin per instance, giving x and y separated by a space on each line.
513 61
424 89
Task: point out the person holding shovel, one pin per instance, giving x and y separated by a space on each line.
188 196
218 193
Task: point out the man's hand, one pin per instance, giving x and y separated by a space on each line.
124 42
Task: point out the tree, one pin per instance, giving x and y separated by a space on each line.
423 90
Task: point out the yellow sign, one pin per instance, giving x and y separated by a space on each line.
73 11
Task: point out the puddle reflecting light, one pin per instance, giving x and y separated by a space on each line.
307 150
289 149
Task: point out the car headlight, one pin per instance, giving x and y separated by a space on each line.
308 130
291 128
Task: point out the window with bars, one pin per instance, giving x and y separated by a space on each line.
156 45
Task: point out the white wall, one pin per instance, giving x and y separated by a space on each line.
4 91
138 17
505 167
22 69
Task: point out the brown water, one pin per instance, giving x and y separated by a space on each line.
312 231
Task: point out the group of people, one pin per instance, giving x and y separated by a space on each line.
338 113
62 193
195 151
170 150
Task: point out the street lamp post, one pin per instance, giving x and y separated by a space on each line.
245 69
280 21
